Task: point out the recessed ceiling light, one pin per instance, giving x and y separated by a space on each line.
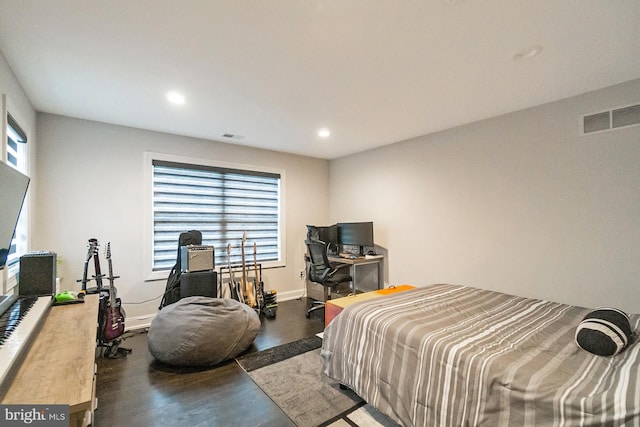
324 133
528 52
176 98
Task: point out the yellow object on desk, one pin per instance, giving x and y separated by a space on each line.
335 306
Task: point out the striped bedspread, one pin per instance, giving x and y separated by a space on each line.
449 355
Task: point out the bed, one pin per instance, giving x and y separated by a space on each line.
450 355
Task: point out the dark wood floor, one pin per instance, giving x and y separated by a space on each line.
138 391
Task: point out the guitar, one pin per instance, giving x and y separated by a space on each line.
234 287
113 325
85 270
257 282
96 263
247 287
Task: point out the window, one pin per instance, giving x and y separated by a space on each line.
17 158
222 201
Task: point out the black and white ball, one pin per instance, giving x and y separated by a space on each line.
604 332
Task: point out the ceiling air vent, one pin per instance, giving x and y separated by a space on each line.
612 119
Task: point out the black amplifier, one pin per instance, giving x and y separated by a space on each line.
201 283
37 274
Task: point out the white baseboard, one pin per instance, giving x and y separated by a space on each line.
139 322
286 296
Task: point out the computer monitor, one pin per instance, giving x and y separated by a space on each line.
356 234
327 234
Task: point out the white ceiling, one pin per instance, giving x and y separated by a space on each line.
373 71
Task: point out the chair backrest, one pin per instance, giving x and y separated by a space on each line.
319 266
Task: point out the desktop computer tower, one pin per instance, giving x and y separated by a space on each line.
37 274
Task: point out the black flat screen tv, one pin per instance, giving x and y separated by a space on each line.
13 189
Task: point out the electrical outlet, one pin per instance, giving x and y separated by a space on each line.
301 274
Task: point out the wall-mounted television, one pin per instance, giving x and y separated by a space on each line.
13 189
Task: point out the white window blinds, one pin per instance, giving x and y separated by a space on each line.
222 203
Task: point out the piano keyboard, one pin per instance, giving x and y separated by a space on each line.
21 324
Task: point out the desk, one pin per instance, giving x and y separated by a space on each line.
358 263
59 367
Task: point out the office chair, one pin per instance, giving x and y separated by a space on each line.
323 272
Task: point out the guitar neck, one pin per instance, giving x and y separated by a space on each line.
96 263
112 290
255 261
85 271
93 245
244 267
111 281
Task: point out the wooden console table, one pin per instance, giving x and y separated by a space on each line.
59 367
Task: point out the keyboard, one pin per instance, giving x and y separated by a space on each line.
19 324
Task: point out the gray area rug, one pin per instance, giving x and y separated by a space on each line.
291 375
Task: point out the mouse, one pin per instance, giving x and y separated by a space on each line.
352 257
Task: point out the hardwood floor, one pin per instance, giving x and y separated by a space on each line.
138 391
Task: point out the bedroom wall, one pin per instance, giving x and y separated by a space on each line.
519 203
91 181
17 101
